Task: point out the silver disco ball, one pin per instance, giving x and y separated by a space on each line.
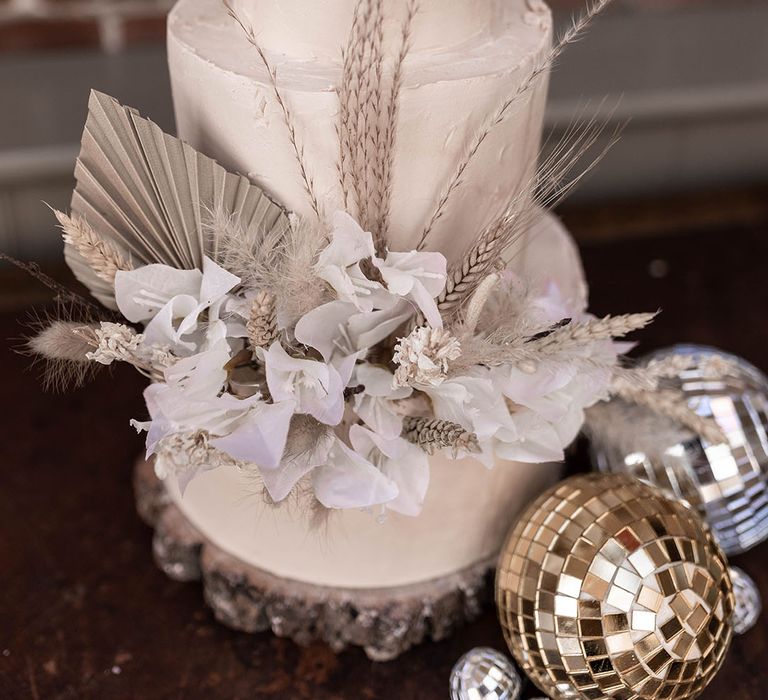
748 603
727 483
485 674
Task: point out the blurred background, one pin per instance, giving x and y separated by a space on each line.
691 76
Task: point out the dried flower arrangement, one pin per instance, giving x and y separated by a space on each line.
307 352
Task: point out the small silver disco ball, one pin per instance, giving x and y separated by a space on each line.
727 483
748 603
485 674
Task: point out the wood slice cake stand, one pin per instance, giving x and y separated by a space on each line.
384 622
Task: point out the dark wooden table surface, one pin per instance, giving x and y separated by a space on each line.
85 614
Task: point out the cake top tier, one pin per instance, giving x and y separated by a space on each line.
318 28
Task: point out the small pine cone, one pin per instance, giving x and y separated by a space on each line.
262 324
433 434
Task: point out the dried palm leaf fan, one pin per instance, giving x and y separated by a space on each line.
150 195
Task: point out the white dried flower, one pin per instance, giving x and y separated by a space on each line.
159 357
423 357
180 451
185 455
120 343
117 342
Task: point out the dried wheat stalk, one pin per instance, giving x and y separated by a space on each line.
672 404
432 434
349 90
298 149
385 159
368 119
479 351
540 67
558 343
360 103
645 386
573 334
547 187
345 129
464 278
371 129
630 428
101 255
262 323
650 376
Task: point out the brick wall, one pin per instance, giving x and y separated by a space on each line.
27 25
35 25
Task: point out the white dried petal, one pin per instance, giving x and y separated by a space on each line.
117 342
423 357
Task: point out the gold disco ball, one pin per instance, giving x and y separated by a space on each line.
608 589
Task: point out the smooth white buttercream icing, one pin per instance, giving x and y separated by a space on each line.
467 513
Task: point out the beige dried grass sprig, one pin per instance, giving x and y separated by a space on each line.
673 405
262 321
385 159
551 182
477 304
298 149
64 340
502 111
63 346
644 386
559 343
359 103
629 428
578 333
368 118
650 376
100 254
305 434
251 256
279 262
432 434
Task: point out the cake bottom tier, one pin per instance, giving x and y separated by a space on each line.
384 620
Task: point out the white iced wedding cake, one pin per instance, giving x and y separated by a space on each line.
365 338
466 56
